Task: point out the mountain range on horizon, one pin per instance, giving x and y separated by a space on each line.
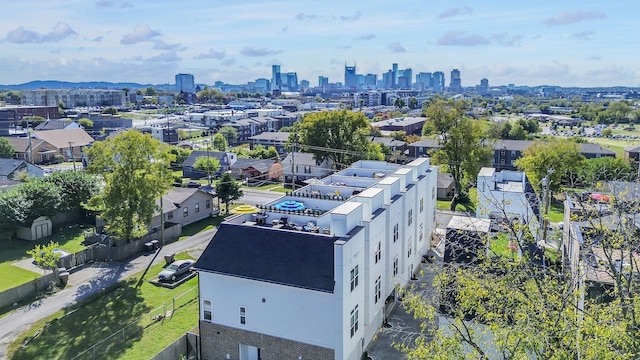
56 84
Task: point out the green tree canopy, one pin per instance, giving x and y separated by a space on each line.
135 168
85 123
6 149
76 188
44 255
207 164
562 157
605 168
43 198
229 133
220 143
463 147
340 136
228 189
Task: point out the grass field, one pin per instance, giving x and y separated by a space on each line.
18 276
69 238
446 204
127 311
202 225
614 144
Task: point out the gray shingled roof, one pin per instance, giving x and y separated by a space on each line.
290 258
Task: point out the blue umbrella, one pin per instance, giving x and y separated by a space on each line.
291 205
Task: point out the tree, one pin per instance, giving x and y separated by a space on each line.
110 110
14 209
85 123
135 169
220 143
230 134
517 132
150 91
399 103
6 149
31 121
76 188
463 147
207 164
45 256
228 190
556 158
506 307
340 136
180 154
600 169
43 199
413 103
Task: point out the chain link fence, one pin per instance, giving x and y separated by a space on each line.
136 328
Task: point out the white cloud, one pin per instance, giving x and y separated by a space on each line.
141 33
59 32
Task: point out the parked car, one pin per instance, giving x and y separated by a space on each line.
175 270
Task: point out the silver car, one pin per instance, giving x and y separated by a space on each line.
175 270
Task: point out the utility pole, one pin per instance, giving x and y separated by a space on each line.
73 160
293 167
546 200
161 222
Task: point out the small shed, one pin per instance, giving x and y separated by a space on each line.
445 186
40 228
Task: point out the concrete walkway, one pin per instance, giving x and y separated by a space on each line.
88 280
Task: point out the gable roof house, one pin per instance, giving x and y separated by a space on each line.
252 169
183 206
303 166
57 124
10 169
226 159
43 152
69 143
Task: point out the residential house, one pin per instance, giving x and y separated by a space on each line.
184 206
508 195
267 139
410 125
632 153
42 153
592 151
304 166
423 148
226 159
445 186
57 124
252 169
312 274
69 143
506 152
10 169
465 239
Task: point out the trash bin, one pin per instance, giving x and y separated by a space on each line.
169 258
64 278
155 244
148 246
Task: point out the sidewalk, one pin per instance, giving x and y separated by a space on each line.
88 280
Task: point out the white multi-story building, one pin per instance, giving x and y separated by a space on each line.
309 275
508 194
73 98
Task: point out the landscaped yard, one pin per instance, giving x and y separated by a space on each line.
128 312
202 225
69 239
446 204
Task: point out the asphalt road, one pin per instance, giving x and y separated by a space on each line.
88 280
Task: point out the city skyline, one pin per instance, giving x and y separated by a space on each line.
544 43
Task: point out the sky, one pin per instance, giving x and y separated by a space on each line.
564 43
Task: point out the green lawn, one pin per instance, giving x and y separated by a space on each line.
446 204
18 276
69 238
499 246
130 307
202 225
614 144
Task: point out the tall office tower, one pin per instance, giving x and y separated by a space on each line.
387 80
360 81
262 85
456 83
304 85
292 81
437 81
185 83
404 79
423 80
350 81
483 88
323 82
276 78
394 79
371 80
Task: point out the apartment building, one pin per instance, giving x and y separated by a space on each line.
308 276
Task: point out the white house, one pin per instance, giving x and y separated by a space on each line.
304 166
507 194
309 275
